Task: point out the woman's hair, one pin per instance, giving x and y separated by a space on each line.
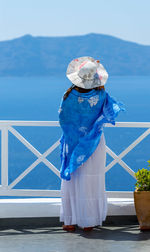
69 90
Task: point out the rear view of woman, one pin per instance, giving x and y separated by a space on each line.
85 108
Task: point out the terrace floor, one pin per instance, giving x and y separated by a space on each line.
123 238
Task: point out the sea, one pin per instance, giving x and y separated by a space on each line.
38 99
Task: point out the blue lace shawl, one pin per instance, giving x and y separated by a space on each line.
82 117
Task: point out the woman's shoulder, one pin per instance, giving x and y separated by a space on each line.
88 94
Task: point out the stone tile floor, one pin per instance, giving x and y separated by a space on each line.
124 238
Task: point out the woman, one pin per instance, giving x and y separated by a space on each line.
84 110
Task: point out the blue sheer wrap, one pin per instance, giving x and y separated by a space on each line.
82 117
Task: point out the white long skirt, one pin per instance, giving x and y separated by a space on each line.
83 198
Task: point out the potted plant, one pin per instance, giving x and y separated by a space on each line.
142 197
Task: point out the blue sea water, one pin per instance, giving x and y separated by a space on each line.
38 99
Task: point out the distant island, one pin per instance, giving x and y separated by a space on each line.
49 56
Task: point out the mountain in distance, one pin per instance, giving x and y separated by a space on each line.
48 56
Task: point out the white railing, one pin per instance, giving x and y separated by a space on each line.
6 126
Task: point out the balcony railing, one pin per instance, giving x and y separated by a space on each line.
8 189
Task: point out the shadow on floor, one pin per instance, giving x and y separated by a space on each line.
115 233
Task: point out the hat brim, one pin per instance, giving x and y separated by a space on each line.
72 74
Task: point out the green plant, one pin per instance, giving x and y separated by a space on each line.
143 179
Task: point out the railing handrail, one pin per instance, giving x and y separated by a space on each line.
56 123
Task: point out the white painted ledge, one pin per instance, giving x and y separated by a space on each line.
50 207
121 206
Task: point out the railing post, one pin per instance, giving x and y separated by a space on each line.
4 156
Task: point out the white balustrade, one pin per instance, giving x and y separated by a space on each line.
7 125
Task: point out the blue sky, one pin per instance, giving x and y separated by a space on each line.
126 19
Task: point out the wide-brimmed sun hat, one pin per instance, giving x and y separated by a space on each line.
86 72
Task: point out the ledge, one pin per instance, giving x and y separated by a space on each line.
50 207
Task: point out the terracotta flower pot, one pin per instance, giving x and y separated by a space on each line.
142 207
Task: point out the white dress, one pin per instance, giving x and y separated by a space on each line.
83 198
